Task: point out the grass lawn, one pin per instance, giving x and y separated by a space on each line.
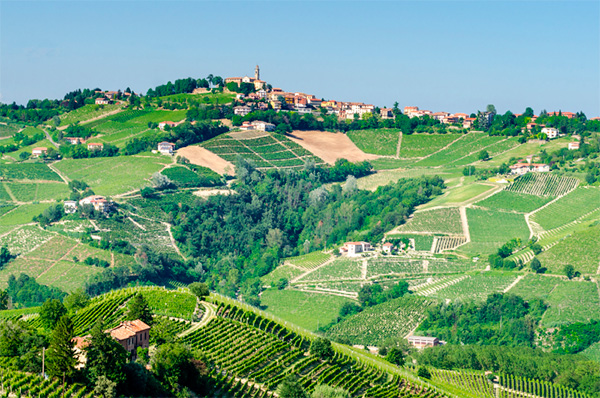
572 302
581 250
308 310
23 214
112 176
376 141
568 208
419 145
445 221
458 195
513 201
491 229
536 286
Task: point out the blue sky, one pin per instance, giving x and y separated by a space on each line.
438 55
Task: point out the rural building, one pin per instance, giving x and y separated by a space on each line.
246 126
131 335
524 168
258 84
550 132
81 344
573 146
242 110
39 151
73 140
468 122
422 341
387 247
70 206
162 125
386 113
102 101
99 202
95 146
355 248
166 148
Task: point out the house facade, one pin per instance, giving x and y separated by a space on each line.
550 132
573 146
131 335
352 249
100 203
166 148
39 151
70 206
73 140
423 341
95 146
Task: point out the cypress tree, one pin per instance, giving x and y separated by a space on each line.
139 309
61 353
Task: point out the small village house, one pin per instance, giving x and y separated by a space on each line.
102 101
73 140
387 247
550 132
81 343
39 151
162 125
423 342
70 206
468 122
352 249
386 113
573 146
100 203
95 146
131 335
242 110
166 148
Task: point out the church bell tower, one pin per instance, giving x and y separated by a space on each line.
257 73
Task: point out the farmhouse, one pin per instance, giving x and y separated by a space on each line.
70 206
387 247
386 113
355 248
74 140
99 202
39 151
468 122
102 101
242 110
166 148
95 146
524 168
81 343
550 132
422 341
131 335
162 125
573 146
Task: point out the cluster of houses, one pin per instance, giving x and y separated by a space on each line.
91 146
130 334
100 204
108 97
354 249
258 125
442 117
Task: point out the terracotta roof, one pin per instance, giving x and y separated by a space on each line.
40 148
388 244
128 329
165 143
95 144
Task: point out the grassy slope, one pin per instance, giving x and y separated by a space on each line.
568 208
491 229
581 250
445 220
513 201
376 141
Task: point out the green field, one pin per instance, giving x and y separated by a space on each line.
419 145
543 184
28 171
536 286
112 176
460 149
581 250
490 229
376 141
213 98
437 221
23 214
308 310
143 231
378 179
29 192
87 112
477 286
25 238
570 207
513 201
592 352
459 195
266 151
392 319
341 268
422 242
572 302
390 163
283 271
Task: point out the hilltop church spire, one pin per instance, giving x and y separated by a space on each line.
257 73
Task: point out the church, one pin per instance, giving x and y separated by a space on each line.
258 84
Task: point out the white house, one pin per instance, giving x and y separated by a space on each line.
73 140
387 247
550 132
166 148
353 249
263 126
39 151
162 125
423 341
242 110
524 168
573 146
102 101
95 146
70 206
99 202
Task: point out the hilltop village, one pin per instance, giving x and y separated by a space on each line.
223 237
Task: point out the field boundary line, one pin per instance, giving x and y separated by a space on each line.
445 147
60 174
296 279
465 224
479 150
513 284
10 193
60 259
528 215
399 145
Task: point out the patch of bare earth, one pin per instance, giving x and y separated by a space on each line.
330 146
203 157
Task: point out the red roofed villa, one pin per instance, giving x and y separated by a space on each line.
131 335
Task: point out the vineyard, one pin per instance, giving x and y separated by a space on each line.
419 145
309 261
445 221
574 205
377 141
87 112
247 346
475 382
515 386
20 384
28 171
447 243
477 286
543 184
341 268
459 149
266 150
372 326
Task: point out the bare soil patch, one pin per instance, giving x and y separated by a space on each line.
203 157
330 146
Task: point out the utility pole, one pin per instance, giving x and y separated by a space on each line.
43 361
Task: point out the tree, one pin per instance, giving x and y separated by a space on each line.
321 347
483 155
76 300
395 356
52 311
325 391
139 309
3 299
199 289
290 387
424 373
161 181
569 271
535 265
24 155
491 109
105 388
282 283
105 356
56 120
174 366
61 352
5 256
351 185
